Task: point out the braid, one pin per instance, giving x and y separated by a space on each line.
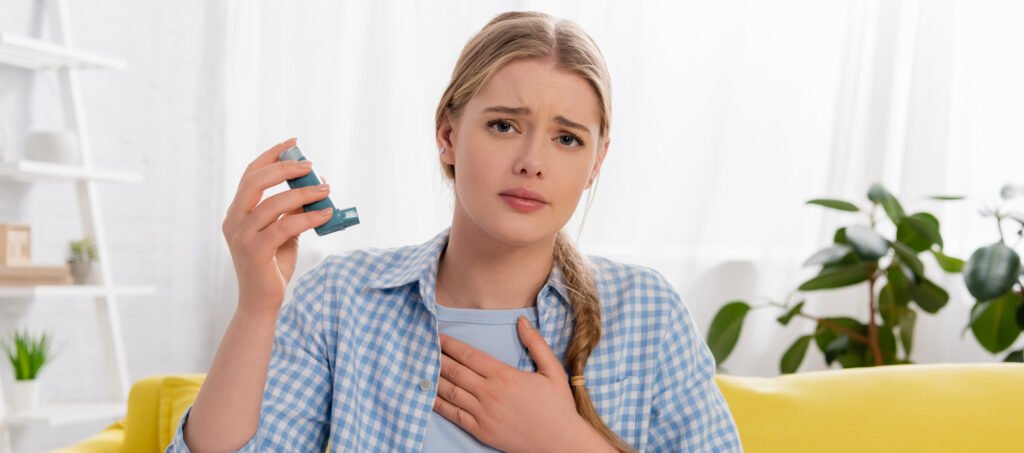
586 314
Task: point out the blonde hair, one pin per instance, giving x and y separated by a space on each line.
525 34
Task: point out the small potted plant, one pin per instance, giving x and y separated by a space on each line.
81 258
995 278
27 355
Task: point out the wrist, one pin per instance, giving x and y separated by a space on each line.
255 315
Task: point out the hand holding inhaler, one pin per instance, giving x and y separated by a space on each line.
263 236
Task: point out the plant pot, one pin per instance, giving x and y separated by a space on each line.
25 395
83 272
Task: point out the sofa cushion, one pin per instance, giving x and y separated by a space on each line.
176 395
140 422
942 407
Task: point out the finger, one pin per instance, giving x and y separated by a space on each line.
457 396
296 211
456 415
474 359
547 362
250 189
274 207
268 157
461 375
293 225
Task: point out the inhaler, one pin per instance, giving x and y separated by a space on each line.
342 218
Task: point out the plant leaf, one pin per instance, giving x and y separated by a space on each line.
725 329
919 231
948 263
825 335
994 324
840 236
892 302
907 323
866 242
991 271
1020 316
879 194
909 257
900 284
1011 191
788 316
887 344
794 356
835 204
1015 356
947 197
929 296
836 347
837 277
828 255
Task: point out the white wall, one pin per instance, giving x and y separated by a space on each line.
159 117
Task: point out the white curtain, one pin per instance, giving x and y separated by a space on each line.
727 116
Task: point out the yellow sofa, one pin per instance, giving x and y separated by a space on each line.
901 408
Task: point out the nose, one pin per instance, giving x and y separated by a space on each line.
531 160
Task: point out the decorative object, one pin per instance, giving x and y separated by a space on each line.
81 258
27 354
859 254
993 276
15 245
52 146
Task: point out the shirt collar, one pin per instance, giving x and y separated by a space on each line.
421 264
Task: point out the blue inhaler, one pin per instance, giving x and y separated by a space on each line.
342 218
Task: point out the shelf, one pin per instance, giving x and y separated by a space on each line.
31 53
57 414
29 170
11 292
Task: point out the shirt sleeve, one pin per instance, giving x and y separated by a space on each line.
296 406
688 412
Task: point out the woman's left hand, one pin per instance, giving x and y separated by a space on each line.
504 407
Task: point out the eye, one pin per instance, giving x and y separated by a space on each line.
571 137
499 123
504 125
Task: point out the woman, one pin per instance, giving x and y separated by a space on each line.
418 348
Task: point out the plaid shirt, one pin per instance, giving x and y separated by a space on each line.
356 358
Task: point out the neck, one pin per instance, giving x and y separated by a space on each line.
479 271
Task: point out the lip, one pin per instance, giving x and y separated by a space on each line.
524 193
523 205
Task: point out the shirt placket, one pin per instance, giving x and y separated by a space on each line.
544 313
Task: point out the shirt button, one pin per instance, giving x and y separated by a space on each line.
425 385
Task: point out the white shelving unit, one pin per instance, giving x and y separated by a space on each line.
60 56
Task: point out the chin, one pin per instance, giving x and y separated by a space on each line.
518 229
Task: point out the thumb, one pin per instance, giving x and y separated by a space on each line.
547 362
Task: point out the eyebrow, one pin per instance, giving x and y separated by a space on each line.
526 111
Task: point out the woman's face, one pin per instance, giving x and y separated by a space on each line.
549 144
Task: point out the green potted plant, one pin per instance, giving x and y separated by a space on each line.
889 268
81 259
994 277
27 355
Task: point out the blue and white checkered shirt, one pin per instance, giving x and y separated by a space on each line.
356 358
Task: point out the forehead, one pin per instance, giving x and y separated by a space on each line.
542 87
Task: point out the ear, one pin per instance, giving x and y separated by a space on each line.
600 160
444 139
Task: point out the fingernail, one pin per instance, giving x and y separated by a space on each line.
326 211
322 188
305 164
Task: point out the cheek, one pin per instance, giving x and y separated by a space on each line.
478 172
